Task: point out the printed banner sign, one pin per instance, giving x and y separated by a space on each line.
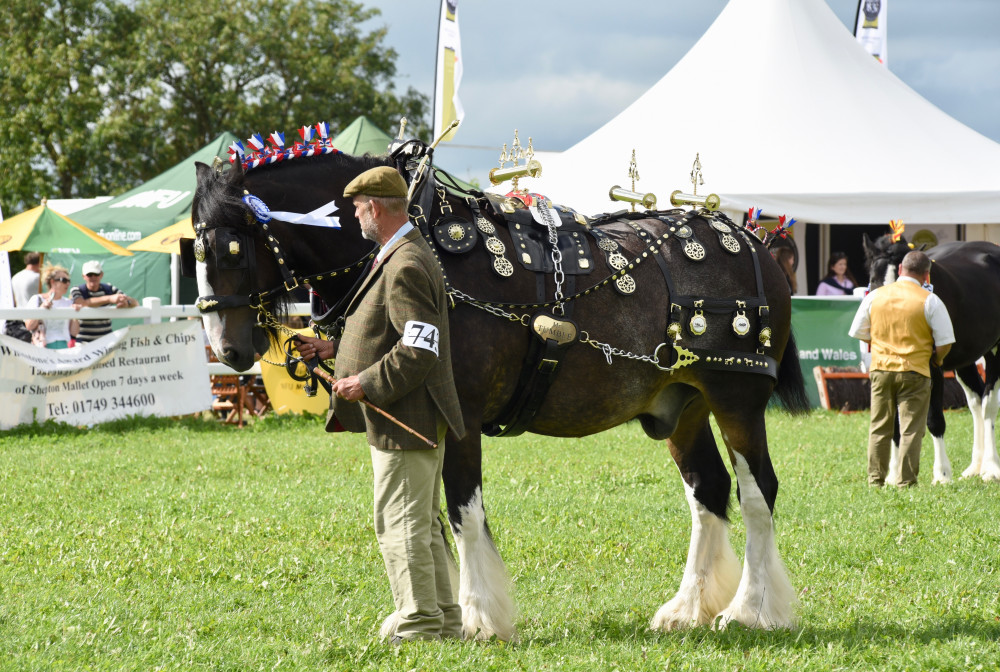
820 326
146 369
448 75
871 28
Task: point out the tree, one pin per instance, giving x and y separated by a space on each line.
263 65
54 127
108 93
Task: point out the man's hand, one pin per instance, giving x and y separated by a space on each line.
940 352
122 300
310 347
349 388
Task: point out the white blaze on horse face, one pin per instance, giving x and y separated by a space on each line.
711 575
484 584
890 275
212 321
765 598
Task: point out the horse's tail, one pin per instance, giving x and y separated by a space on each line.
791 387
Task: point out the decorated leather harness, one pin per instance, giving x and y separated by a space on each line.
556 241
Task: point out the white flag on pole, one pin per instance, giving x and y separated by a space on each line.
448 75
871 28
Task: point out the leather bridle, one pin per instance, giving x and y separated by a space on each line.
241 255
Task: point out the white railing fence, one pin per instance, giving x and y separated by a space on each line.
151 311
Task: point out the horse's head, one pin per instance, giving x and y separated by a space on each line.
882 258
246 267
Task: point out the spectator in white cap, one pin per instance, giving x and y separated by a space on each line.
93 294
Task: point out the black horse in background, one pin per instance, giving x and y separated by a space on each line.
966 276
717 343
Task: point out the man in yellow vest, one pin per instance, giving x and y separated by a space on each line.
906 326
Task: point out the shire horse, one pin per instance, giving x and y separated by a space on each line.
622 366
966 276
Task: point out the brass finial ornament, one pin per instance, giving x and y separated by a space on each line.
647 201
679 198
531 167
402 128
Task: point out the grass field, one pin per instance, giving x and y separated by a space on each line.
187 545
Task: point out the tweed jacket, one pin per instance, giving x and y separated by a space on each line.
410 383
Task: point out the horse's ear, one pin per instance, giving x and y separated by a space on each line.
202 170
866 245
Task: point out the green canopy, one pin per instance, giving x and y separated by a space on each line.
362 136
153 205
44 230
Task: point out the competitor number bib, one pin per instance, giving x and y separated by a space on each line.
421 335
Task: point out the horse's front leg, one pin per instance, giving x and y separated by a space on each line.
712 572
484 584
936 426
765 597
893 476
974 396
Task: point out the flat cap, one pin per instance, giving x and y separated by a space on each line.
382 181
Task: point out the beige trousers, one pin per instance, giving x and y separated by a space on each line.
911 393
409 533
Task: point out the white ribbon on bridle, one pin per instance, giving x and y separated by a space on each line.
317 217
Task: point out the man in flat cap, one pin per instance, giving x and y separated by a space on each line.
395 352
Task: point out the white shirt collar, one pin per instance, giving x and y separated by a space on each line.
396 237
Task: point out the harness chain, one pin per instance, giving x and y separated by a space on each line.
559 275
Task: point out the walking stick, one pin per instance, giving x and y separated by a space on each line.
330 379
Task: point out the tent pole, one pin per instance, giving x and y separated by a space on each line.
175 279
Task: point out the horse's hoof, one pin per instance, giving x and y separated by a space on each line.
942 479
991 476
970 472
483 633
671 617
753 620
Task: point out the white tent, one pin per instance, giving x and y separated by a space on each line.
788 113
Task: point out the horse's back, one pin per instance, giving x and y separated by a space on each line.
966 276
968 259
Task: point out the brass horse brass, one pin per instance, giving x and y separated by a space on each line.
560 331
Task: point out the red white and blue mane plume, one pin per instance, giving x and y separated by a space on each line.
316 140
762 234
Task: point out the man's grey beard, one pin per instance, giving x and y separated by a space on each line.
369 231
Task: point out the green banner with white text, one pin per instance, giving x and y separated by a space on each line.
820 325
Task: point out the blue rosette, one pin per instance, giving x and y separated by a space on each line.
258 208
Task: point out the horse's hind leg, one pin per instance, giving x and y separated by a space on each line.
484 584
985 461
972 386
712 572
989 468
765 597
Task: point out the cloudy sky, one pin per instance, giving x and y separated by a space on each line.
559 69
